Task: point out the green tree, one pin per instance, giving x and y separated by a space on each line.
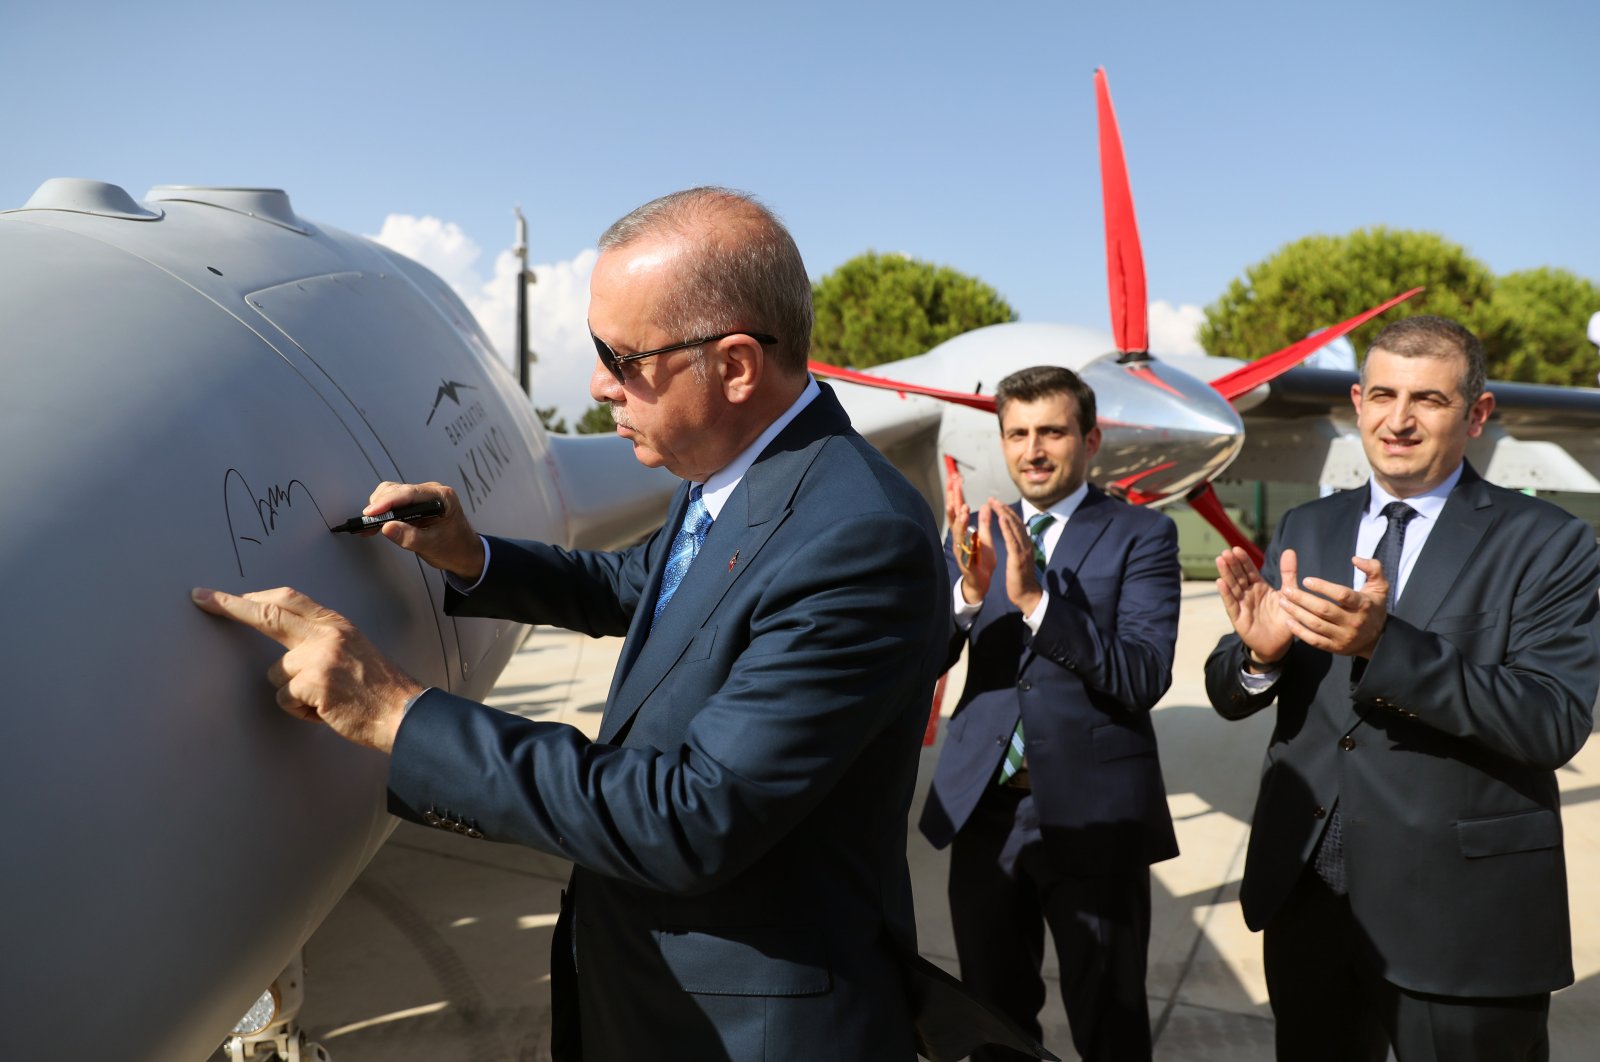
883 307
1538 329
1321 280
1531 323
551 422
596 420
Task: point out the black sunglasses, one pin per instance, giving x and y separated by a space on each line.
614 361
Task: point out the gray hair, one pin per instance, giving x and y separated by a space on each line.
742 272
1428 336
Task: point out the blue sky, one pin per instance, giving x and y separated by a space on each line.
962 134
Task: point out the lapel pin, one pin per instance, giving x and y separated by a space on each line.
733 560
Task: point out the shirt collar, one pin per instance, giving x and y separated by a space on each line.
1061 510
1427 504
719 486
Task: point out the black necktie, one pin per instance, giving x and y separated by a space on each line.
1328 860
1392 543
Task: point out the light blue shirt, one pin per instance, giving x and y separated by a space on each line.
1373 524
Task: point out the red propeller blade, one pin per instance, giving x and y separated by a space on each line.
1203 499
1124 260
983 402
1272 366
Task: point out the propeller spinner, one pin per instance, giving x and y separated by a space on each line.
1167 434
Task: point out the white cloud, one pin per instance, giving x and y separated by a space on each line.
1175 329
558 304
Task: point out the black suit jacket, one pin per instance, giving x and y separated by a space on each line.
1083 686
1442 749
739 830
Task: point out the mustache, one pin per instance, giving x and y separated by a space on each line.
618 417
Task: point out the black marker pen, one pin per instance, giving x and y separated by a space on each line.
409 513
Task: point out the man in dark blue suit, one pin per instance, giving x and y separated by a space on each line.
1049 789
739 828
1430 642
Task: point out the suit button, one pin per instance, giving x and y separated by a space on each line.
1347 743
1319 812
475 833
431 817
1024 685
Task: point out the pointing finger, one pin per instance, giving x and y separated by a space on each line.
270 618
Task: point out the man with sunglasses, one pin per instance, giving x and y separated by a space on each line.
739 827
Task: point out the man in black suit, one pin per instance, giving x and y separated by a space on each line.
738 830
1048 788
1431 644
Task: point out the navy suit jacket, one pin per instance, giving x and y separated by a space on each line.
739 828
1441 749
1083 687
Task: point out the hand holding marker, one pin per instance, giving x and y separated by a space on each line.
409 513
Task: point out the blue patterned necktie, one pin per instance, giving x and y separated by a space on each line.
1328 860
685 546
1037 525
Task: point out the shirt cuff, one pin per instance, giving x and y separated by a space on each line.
966 614
461 586
1259 681
1035 619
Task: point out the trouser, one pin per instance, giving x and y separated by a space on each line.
1331 1005
1100 924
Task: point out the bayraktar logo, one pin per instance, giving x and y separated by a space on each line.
447 389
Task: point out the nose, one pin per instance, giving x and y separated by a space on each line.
603 387
1399 418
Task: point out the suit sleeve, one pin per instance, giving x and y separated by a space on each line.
1133 663
530 582
1536 704
843 639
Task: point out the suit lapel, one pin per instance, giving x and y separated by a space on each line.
1326 555
1083 530
1463 521
639 629
1335 542
756 509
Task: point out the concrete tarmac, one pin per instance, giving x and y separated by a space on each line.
439 953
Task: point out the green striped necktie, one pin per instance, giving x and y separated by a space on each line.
1014 751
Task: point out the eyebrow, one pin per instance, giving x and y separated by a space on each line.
1427 393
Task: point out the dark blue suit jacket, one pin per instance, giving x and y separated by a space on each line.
1083 686
739 828
1442 749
